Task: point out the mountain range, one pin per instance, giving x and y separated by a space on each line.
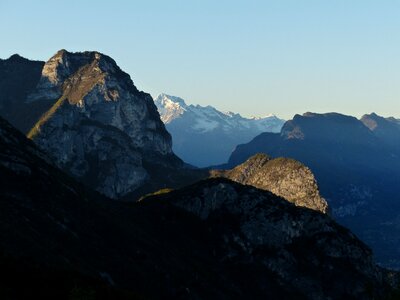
357 166
216 239
84 111
204 136
80 137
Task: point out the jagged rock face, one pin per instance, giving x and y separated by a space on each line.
284 177
194 126
213 240
386 129
306 251
358 172
99 127
100 91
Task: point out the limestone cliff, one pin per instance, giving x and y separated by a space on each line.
284 177
99 125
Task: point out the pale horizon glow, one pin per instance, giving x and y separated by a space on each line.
255 58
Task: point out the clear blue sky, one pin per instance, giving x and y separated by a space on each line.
252 57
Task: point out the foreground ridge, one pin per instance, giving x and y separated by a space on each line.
216 239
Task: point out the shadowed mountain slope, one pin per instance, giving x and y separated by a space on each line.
386 129
19 77
358 173
213 240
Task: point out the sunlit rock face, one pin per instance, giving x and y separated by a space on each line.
357 166
99 125
284 177
281 244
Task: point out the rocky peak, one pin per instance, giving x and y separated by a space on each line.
65 64
215 239
170 107
304 250
386 129
16 58
372 120
165 99
375 122
98 126
284 177
324 127
357 172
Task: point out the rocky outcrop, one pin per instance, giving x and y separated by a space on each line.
94 88
215 239
284 177
193 126
98 126
298 249
356 169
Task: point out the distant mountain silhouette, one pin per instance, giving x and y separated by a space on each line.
204 136
386 129
215 239
19 77
357 168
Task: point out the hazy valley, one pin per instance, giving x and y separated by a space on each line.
204 136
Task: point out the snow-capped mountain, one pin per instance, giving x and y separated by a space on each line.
203 135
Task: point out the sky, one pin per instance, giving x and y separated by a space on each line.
252 57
